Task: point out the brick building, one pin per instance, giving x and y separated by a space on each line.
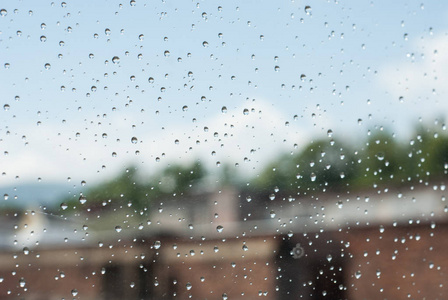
374 245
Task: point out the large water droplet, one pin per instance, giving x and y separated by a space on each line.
116 60
219 228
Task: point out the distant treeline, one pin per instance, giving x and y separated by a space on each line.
325 164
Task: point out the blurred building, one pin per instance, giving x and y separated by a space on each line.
386 244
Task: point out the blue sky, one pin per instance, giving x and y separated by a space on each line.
358 58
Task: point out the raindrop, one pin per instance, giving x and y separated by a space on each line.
116 60
3 12
43 38
219 228
118 228
26 251
157 245
82 199
64 206
308 10
134 140
205 44
22 282
224 109
6 107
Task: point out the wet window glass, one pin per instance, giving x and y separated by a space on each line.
223 150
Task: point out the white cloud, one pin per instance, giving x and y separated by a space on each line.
55 153
418 84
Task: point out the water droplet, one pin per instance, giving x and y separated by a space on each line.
224 109
74 292
308 10
64 206
358 274
43 38
116 60
188 286
185 108
3 12
313 177
47 66
26 251
245 111
118 228
141 37
272 214
245 248
157 245
166 53
205 44
134 140
22 282
224 296
219 228
82 199
276 68
6 107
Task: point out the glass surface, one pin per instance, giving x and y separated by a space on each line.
223 150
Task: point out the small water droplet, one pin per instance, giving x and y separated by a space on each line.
22 282
116 60
64 206
118 228
219 228
134 140
308 10
82 199
157 245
